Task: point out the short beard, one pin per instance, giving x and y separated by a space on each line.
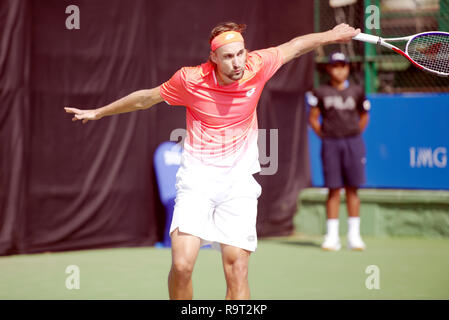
235 77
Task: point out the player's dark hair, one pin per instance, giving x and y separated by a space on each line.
226 26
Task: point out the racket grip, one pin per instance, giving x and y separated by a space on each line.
367 38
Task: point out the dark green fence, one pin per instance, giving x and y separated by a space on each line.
380 69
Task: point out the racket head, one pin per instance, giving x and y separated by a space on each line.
430 51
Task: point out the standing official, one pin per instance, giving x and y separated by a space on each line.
344 112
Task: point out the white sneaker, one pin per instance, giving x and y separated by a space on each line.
331 243
356 243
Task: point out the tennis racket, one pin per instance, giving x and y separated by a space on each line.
429 51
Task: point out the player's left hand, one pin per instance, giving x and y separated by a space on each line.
344 33
84 115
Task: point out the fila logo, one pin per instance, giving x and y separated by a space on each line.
338 103
250 92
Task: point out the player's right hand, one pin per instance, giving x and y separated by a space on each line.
84 115
344 33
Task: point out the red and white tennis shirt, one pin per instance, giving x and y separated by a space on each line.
221 121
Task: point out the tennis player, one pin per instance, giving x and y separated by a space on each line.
216 200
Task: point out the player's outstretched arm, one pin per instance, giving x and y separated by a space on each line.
296 47
138 100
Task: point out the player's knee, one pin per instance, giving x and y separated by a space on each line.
238 270
182 268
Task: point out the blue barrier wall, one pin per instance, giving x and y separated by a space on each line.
407 142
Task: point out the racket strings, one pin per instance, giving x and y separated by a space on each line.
431 51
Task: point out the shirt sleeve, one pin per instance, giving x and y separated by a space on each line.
174 91
271 61
312 98
315 99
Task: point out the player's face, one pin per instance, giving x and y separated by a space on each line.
230 60
339 71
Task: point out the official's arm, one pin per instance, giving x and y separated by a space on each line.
314 121
364 118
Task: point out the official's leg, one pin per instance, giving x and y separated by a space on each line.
352 201
354 173
235 265
333 180
332 238
332 173
355 241
333 203
185 248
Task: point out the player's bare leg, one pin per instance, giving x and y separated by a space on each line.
235 265
185 248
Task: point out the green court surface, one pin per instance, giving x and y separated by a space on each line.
283 268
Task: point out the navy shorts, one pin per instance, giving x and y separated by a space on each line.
343 161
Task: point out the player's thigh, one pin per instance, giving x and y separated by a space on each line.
332 163
192 212
235 259
185 248
235 222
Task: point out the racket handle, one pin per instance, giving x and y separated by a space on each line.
367 38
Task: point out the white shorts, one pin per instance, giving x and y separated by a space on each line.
217 208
